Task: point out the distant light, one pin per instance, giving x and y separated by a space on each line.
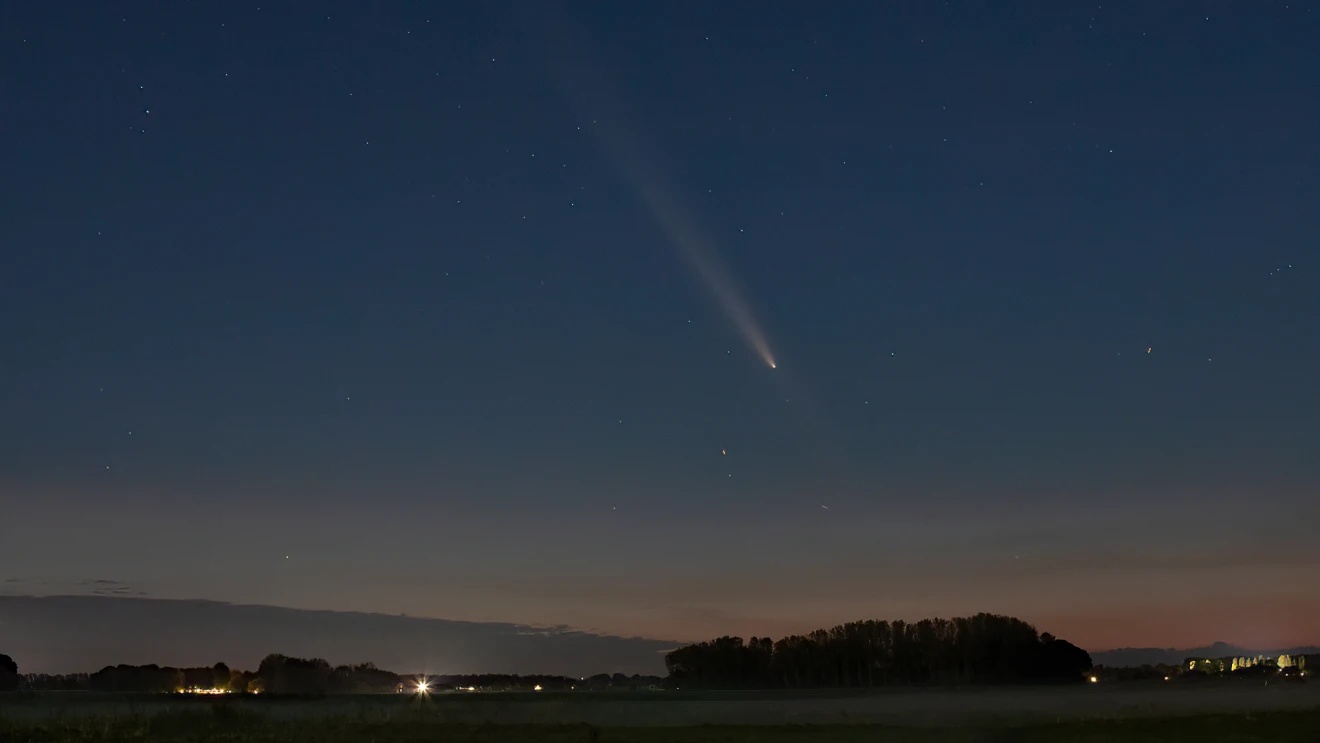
1094 679
423 687
536 688
1166 678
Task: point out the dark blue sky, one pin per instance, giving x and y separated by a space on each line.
395 290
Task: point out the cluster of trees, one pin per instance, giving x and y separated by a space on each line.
55 681
154 678
9 678
982 649
279 674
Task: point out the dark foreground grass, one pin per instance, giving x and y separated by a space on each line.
206 727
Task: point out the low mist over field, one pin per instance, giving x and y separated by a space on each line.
59 634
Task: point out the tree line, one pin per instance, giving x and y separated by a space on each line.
981 649
277 674
284 675
154 678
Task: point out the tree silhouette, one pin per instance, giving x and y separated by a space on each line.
149 678
364 678
220 676
280 674
982 649
9 678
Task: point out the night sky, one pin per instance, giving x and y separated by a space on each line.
470 312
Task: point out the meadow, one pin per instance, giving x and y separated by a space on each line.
1134 712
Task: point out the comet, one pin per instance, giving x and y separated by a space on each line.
694 245
690 241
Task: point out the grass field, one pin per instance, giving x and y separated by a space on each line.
197 727
1132 713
